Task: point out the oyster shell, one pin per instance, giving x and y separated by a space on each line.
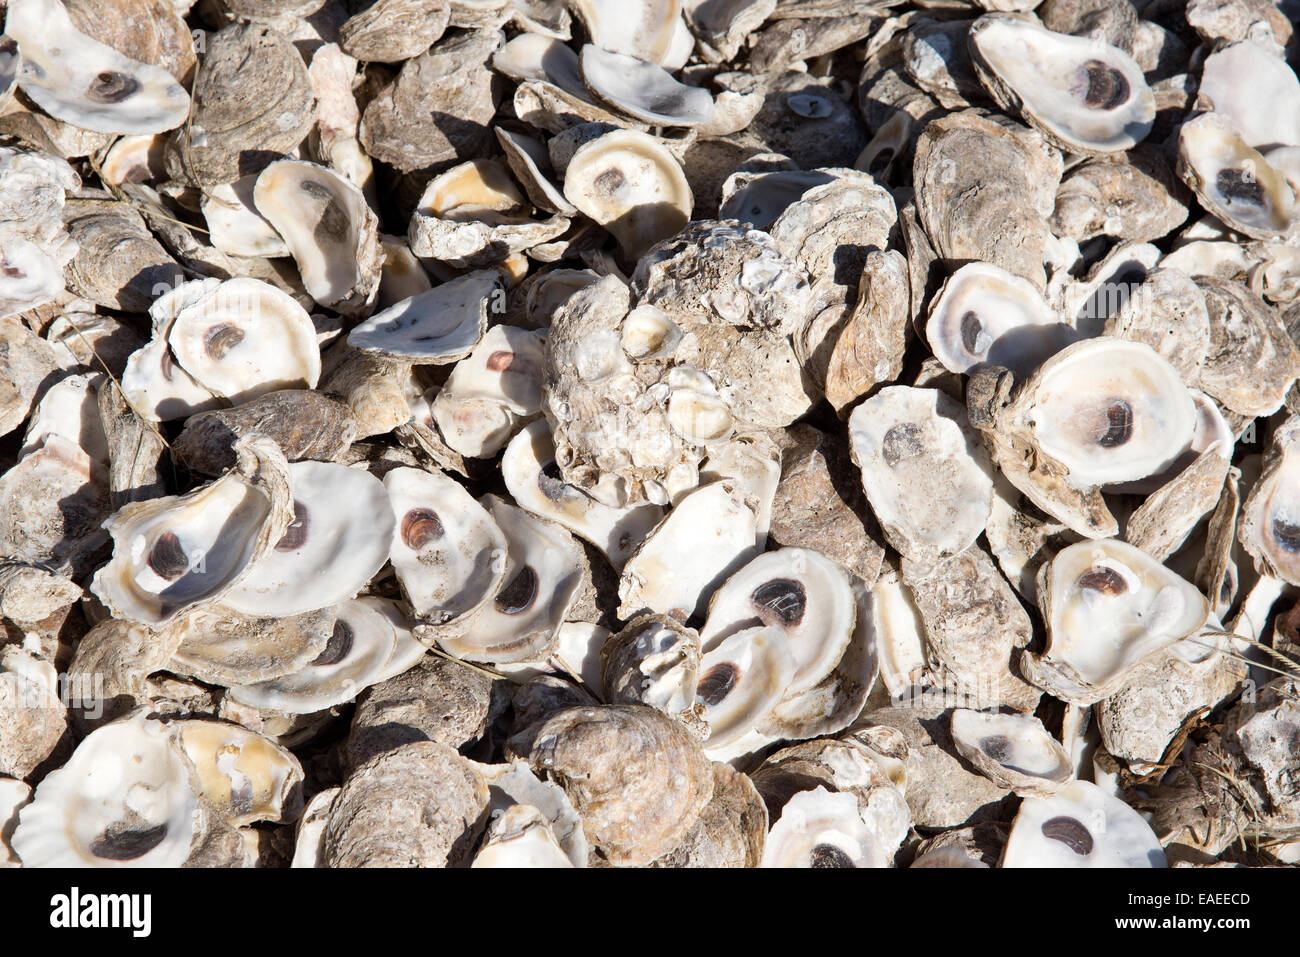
434 327
592 753
339 538
1081 826
329 229
1107 606
1014 751
447 551
420 804
926 477
140 814
177 552
632 185
88 83
1234 181
1082 94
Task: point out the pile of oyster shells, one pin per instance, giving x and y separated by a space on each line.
667 433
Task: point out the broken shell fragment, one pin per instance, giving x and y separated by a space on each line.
520 836
655 661
243 775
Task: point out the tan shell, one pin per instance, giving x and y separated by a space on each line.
730 830
419 805
253 101
437 700
32 718
984 191
390 31
595 753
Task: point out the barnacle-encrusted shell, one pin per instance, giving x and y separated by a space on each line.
637 777
418 805
655 661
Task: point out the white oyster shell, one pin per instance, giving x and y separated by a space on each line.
1081 826
448 553
122 800
87 83
926 476
1107 606
339 538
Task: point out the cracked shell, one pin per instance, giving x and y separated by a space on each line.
655 661
637 778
